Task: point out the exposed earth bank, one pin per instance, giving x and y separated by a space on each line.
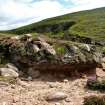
44 71
36 92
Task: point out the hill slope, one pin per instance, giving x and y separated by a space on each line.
89 23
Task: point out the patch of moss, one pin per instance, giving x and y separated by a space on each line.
57 35
8 80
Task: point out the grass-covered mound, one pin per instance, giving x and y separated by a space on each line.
89 23
94 100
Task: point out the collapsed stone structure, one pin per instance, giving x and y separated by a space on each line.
49 55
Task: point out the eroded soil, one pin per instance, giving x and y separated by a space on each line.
34 92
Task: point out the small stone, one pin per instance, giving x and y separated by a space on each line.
65 81
13 86
28 35
56 96
15 99
83 76
22 83
57 103
52 85
67 100
29 78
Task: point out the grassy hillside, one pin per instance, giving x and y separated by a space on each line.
89 23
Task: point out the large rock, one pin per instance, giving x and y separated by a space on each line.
47 47
85 47
35 48
8 72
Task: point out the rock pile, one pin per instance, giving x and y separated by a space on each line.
25 52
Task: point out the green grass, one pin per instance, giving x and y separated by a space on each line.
60 49
6 35
89 23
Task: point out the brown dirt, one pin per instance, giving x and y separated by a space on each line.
34 92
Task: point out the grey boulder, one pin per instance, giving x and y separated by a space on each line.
8 72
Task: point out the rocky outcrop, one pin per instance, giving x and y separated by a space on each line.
47 54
